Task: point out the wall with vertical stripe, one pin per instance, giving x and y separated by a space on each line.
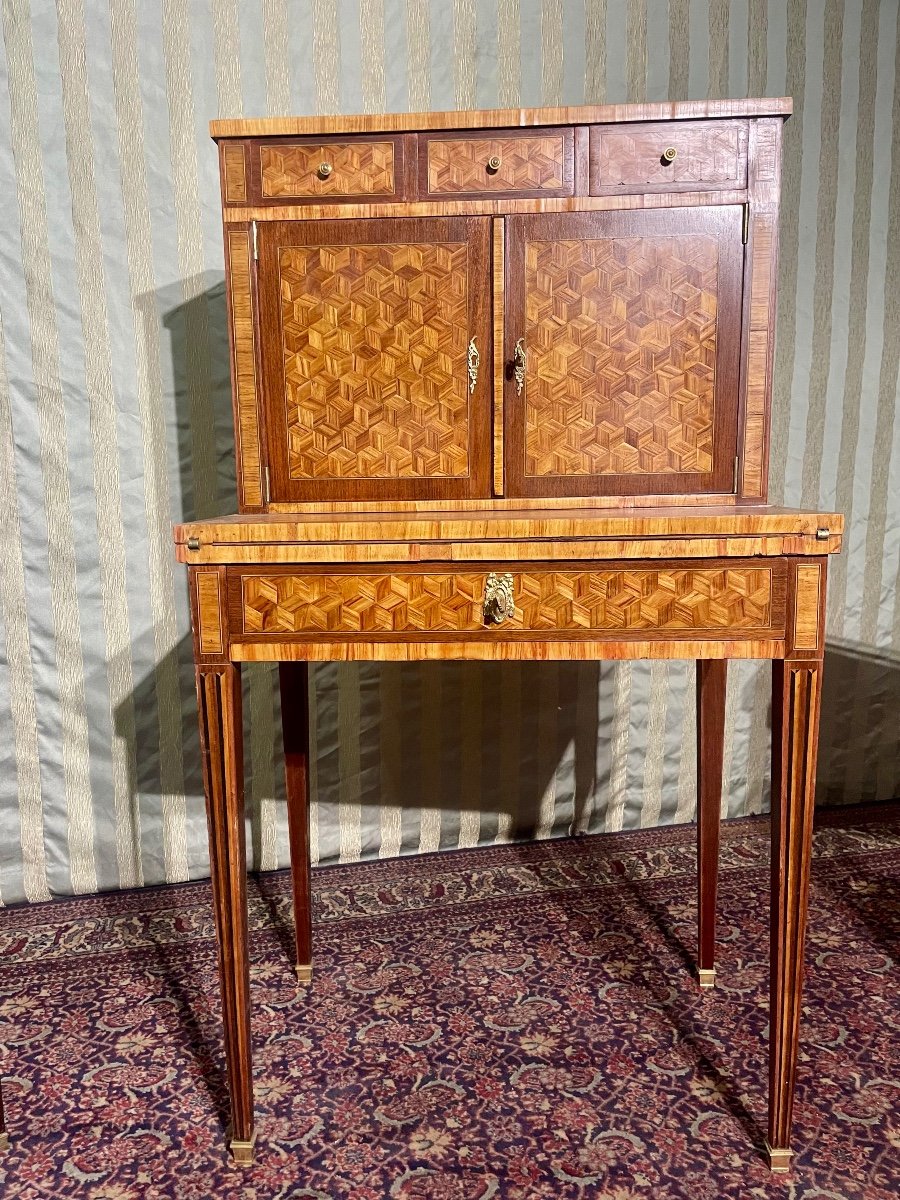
115 422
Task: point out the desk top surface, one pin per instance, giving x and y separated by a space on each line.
668 110
729 529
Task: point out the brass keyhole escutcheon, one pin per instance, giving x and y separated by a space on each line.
519 365
493 164
669 154
325 169
499 603
473 361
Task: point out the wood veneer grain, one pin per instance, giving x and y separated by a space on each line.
500 117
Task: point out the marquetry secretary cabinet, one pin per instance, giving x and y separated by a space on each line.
502 385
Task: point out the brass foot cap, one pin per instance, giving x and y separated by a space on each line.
242 1152
4 1142
779 1160
304 972
707 976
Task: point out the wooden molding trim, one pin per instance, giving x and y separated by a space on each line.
239 269
499 268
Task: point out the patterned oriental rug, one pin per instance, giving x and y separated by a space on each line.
519 1021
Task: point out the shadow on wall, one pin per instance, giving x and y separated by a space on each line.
421 739
859 739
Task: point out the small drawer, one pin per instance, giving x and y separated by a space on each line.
670 156
504 163
287 171
622 601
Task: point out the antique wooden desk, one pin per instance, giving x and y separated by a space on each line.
502 385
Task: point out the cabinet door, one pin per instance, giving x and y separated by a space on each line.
376 355
622 344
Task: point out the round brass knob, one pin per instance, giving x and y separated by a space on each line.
325 169
493 163
670 154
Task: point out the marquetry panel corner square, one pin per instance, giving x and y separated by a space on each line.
621 355
374 348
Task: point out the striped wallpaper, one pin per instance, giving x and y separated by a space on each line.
115 422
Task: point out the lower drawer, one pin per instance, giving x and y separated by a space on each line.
627 600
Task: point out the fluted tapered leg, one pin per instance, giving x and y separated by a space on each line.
711 684
295 731
796 699
219 697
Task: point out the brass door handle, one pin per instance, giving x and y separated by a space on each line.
669 154
325 169
473 361
499 604
519 365
493 164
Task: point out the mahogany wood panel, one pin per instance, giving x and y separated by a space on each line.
361 169
711 691
631 328
233 165
221 745
294 680
632 157
669 110
796 701
626 600
210 632
365 334
248 418
807 605
529 164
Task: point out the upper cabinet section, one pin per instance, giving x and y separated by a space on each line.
532 304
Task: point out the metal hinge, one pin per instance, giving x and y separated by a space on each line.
193 543
256 242
734 482
267 491
745 224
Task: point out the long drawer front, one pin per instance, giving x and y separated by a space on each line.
675 600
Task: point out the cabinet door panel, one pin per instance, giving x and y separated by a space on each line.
630 341
371 389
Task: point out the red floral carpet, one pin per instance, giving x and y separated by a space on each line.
512 1022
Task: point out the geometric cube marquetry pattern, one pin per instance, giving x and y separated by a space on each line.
357 169
526 164
675 600
375 340
712 154
621 355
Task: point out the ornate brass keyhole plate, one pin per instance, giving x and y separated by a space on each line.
499 603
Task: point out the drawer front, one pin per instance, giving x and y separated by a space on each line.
505 163
615 601
668 156
354 168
